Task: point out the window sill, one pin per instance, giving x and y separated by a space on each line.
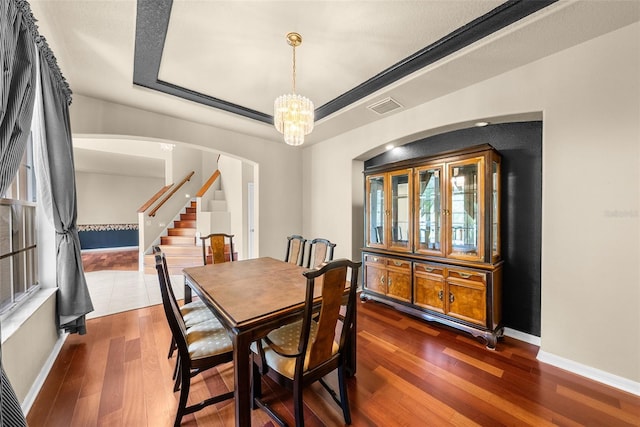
15 319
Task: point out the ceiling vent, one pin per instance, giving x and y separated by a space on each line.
384 106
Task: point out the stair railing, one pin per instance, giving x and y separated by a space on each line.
203 215
171 193
151 226
153 199
208 184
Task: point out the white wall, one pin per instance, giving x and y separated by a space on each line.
231 176
112 199
277 181
590 99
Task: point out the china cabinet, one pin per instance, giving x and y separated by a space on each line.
432 245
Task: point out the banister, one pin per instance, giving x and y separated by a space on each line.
208 184
171 193
155 197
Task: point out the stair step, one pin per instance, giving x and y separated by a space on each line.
178 240
182 232
188 216
185 224
174 264
191 251
190 210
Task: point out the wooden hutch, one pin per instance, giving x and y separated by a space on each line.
432 239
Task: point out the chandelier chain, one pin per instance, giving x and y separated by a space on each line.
294 69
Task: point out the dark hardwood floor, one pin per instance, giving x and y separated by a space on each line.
410 373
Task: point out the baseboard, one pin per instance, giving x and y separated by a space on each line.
607 378
42 376
522 336
111 249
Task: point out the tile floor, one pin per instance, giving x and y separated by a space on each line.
114 291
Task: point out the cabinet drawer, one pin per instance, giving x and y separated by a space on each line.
428 269
376 259
398 263
475 276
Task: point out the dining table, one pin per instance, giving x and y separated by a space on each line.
251 298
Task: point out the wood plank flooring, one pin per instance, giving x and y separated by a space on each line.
410 373
126 260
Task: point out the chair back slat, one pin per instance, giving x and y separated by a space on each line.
218 244
333 286
320 251
170 304
295 249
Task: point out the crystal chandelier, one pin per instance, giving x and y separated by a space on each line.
293 114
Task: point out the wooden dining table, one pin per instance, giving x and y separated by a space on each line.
251 298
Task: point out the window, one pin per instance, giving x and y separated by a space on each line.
18 251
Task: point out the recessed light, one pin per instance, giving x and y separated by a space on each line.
388 147
481 124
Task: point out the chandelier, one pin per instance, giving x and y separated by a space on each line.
293 113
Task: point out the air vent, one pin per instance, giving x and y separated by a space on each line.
385 106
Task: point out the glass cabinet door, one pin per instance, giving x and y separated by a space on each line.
428 208
376 211
400 210
464 212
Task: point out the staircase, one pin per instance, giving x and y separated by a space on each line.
179 246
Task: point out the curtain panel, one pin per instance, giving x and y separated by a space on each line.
74 301
17 59
17 55
19 39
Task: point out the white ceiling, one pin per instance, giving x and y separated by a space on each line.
236 51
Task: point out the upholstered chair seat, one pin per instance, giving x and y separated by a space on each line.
208 339
196 312
288 339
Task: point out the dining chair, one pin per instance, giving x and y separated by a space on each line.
217 244
320 251
201 347
193 312
302 352
295 249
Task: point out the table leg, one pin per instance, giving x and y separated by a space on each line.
187 293
242 378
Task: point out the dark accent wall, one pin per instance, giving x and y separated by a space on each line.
520 145
108 239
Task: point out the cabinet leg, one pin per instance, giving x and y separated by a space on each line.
492 340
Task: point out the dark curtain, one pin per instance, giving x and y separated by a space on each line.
74 301
17 59
17 54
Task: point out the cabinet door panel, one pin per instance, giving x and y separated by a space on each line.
376 211
429 291
400 214
376 278
399 284
428 204
467 301
465 209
